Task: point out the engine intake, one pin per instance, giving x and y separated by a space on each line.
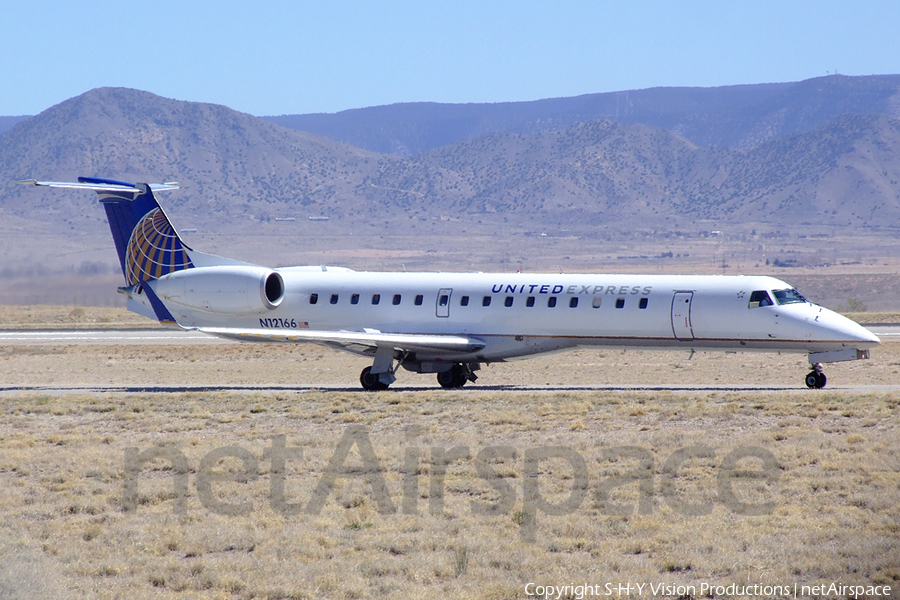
231 289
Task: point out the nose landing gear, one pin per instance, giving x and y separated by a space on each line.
816 378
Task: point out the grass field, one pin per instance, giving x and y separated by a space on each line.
425 494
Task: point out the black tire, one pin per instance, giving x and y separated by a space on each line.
370 381
811 379
821 380
816 380
454 378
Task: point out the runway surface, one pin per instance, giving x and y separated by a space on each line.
158 335
165 336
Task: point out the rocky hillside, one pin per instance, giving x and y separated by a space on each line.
226 162
596 173
741 116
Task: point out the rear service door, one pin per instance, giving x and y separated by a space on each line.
681 316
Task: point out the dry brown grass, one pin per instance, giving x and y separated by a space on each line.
67 532
834 516
40 316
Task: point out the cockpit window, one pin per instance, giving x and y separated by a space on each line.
760 298
788 297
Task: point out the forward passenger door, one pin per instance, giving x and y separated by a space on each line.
681 316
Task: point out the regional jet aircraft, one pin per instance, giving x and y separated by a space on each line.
452 323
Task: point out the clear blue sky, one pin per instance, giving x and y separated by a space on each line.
279 56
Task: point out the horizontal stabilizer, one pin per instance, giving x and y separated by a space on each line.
100 185
411 342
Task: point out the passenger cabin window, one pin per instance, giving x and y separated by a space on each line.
354 299
597 302
464 301
419 299
396 299
508 302
551 301
643 303
334 298
486 301
620 302
313 298
444 300
376 298
529 302
573 302
789 297
759 298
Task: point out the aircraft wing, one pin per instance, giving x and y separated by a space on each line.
355 340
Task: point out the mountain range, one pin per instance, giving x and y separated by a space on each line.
796 156
740 117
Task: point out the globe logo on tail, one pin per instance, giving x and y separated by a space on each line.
154 249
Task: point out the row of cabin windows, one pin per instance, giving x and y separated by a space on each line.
485 301
376 299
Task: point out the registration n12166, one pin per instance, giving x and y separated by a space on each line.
278 323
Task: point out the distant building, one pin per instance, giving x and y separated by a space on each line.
320 218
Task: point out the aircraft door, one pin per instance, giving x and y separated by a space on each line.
442 308
681 316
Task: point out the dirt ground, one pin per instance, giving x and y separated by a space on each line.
234 364
427 493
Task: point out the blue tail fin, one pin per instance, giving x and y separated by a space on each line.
147 244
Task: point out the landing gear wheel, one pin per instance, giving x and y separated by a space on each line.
370 381
816 380
454 378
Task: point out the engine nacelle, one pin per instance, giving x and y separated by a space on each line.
229 289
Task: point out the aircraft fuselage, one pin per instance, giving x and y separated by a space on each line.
520 314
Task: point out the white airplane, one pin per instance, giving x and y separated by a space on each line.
452 323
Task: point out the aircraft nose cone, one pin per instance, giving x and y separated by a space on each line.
854 332
868 337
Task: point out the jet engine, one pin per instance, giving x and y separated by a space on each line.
229 289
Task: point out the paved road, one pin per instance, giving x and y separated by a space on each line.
162 335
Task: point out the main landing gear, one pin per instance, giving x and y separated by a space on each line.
453 378
816 378
456 376
380 375
371 382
